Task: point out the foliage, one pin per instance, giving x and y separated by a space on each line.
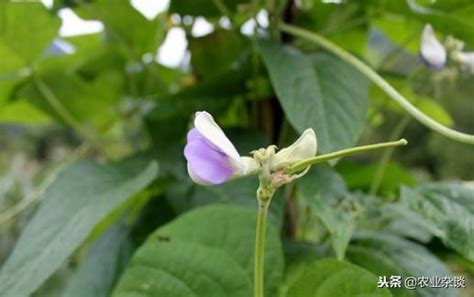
126 220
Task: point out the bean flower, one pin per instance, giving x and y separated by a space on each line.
466 59
211 156
303 148
432 52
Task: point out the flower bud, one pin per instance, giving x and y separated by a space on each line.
303 148
432 51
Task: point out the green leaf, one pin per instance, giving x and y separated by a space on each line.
80 198
330 277
387 255
298 256
205 252
360 176
101 264
405 32
450 17
319 92
76 97
184 196
444 209
326 194
217 52
27 29
344 23
126 26
205 8
21 112
435 111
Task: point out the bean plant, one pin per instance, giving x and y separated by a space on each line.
298 148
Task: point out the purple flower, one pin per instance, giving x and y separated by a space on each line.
432 51
212 158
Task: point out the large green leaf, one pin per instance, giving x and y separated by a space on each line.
319 92
126 26
326 194
80 102
27 29
444 209
81 197
387 255
101 265
205 252
329 278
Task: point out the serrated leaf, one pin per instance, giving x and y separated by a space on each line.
80 198
319 92
205 252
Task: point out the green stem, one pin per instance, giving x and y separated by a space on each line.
55 103
265 193
379 81
260 247
65 115
222 8
343 153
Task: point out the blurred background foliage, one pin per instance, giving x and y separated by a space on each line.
114 98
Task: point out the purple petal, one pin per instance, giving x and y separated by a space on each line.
194 134
206 162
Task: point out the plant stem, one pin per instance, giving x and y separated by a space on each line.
65 115
265 193
379 81
222 8
260 247
343 153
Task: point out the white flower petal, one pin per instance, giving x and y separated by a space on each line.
467 61
303 148
431 50
250 166
206 125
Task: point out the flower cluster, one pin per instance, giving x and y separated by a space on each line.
436 55
212 158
